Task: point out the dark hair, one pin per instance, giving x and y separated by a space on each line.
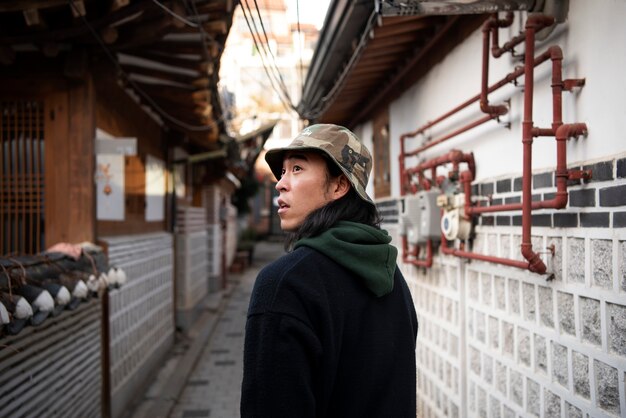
349 207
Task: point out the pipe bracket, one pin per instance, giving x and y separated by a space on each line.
571 83
579 174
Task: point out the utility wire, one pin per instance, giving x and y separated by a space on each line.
285 102
273 70
273 58
300 46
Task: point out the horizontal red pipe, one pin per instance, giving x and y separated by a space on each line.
455 157
475 256
459 131
504 81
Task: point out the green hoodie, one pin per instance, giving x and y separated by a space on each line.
362 249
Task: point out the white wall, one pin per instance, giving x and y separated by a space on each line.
591 50
498 341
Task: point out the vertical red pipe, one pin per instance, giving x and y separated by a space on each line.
536 265
556 55
491 24
426 262
401 157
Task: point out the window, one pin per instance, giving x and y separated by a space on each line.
21 176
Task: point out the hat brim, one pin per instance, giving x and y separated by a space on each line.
274 158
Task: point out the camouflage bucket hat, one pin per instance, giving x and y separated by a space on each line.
340 144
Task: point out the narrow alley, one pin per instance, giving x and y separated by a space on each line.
202 377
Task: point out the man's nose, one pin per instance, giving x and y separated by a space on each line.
282 183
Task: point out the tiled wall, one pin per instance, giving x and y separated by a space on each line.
141 313
496 341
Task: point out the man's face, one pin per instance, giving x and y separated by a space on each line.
303 188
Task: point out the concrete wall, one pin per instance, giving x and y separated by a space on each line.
497 341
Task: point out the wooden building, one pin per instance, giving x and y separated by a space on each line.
112 132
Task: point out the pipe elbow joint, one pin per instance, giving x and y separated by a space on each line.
560 200
570 129
534 261
538 21
493 111
556 53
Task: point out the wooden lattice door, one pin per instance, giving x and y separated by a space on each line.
21 176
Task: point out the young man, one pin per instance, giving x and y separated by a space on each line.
331 325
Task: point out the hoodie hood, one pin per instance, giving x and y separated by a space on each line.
362 249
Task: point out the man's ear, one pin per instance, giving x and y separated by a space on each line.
341 186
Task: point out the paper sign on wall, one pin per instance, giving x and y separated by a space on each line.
110 187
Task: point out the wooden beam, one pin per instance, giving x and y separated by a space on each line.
78 8
175 47
74 31
180 96
32 17
160 74
118 4
383 52
212 27
141 34
20 5
393 30
178 8
155 55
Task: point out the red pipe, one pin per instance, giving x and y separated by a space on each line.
533 22
498 51
507 79
485 107
475 256
427 262
560 131
563 133
454 156
450 135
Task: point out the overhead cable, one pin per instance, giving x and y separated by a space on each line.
286 102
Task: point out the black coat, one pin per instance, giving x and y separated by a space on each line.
320 344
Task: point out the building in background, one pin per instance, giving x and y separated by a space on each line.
111 131
263 76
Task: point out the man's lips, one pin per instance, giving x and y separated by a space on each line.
282 206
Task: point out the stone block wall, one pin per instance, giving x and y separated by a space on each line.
496 341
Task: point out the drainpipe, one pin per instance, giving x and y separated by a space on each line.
533 22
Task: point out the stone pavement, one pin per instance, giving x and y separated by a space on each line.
203 376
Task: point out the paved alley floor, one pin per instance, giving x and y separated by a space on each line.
213 388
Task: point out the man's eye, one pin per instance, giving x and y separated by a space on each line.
296 168
282 172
